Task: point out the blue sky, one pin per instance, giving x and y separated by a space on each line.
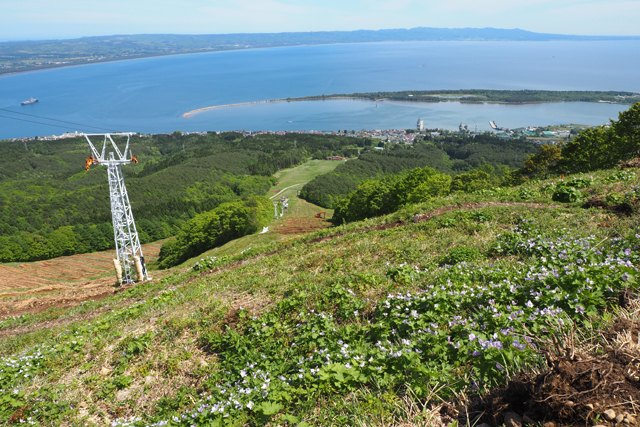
42 19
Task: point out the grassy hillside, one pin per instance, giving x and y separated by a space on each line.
371 323
301 175
232 221
298 219
50 206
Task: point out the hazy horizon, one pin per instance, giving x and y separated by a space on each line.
22 20
294 32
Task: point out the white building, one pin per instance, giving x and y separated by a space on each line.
420 125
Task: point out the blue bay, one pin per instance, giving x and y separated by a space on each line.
150 95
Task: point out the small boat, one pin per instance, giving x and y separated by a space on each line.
31 100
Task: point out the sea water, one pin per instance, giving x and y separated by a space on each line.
150 95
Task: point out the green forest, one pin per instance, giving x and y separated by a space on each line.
450 154
51 206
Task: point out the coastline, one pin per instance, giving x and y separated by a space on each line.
188 114
232 49
103 61
191 113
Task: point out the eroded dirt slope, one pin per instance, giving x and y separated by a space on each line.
60 282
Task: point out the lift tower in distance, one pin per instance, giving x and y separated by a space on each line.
129 252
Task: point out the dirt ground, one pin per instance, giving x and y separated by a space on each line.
580 388
298 225
60 282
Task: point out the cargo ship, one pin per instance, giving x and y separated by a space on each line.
30 101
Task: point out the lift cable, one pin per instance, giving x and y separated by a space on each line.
54 120
33 121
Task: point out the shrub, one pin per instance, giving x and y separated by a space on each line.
374 198
210 263
600 147
471 181
614 198
404 274
369 200
460 254
448 222
527 193
567 194
480 216
579 182
214 228
433 186
621 176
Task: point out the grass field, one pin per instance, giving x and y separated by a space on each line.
301 175
397 320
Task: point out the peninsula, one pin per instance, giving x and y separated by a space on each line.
462 95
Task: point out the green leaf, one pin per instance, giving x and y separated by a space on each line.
271 408
290 419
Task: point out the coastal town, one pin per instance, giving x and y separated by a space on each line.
536 134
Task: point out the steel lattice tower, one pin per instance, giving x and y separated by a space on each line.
128 247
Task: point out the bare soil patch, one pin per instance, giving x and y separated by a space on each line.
620 209
65 297
61 282
298 225
595 202
60 273
633 163
575 391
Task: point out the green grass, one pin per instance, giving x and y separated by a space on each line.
302 208
159 349
301 175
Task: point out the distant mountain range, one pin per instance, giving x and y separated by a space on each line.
28 55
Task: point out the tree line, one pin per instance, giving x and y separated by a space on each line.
450 154
497 96
379 197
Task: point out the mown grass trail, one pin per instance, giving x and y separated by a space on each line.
302 174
